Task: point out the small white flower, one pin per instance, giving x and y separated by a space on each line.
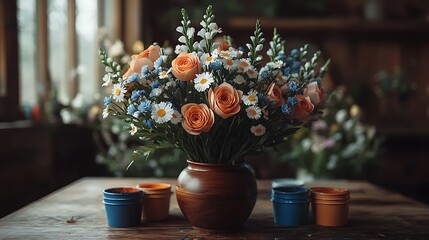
213 26
251 98
207 59
164 74
182 39
190 32
177 117
105 112
133 129
253 112
156 92
202 32
239 79
180 48
107 80
170 84
179 29
162 112
258 130
251 72
229 64
203 81
118 92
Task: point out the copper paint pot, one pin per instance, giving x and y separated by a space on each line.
155 201
330 206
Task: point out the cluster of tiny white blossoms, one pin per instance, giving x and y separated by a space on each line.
214 91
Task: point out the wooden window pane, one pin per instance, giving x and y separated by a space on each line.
58 43
88 62
27 33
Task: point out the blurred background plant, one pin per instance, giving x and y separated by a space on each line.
337 146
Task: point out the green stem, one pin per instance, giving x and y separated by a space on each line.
225 139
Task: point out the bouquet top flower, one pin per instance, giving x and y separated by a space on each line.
215 102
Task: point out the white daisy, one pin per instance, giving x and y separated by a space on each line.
239 79
118 92
258 130
164 74
225 54
251 98
235 53
253 112
177 117
251 72
133 129
229 64
207 59
243 65
203 81
106 112
162 112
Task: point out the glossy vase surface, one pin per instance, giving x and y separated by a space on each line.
216 197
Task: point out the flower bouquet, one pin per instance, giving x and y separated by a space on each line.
215 102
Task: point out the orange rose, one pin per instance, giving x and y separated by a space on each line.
186 66
314 92
303 109
197 118
274 94
225 100
147 57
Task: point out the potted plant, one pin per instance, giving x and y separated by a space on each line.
217 103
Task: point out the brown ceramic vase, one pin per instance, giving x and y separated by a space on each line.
216 197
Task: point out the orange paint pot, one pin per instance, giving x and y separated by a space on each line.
155 201
330 206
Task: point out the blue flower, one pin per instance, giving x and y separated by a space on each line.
135 95
107 100
181 84
293 87
296 64
215 65
145 106
131 109
291 101
157 63
145 70
265 74
133 78
286 71
148 123
294 53
155 84
281 57
286 109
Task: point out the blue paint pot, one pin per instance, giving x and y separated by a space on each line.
290 213
290 205
123 206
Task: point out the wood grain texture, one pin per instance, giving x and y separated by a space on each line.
375 213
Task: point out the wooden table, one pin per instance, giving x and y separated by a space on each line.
375 213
